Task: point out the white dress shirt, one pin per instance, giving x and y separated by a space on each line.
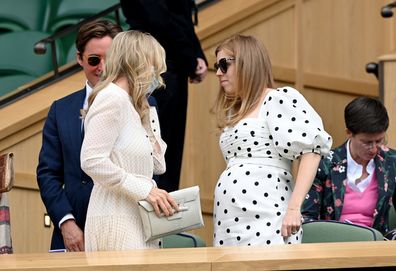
355 170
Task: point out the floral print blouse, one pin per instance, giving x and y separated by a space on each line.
324 200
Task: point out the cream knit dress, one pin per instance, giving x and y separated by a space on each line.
117 154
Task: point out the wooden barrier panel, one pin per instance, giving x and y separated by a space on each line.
276 257
308 256
387 70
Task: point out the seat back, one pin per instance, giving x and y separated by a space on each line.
17 54
335 231
18 15
8 83
71 54
69 47
65 13
69 12
182 240
392 218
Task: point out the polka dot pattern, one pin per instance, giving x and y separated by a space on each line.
258 152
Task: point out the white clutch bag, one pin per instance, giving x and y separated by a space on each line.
189 217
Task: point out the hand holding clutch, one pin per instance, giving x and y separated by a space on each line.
162 202
188 217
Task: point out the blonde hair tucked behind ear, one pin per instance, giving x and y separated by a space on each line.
139 58
253 76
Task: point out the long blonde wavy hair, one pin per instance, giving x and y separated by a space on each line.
253 76
139 58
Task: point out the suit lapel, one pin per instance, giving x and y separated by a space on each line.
382 181
339 176
75 122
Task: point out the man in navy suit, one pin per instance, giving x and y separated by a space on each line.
65 189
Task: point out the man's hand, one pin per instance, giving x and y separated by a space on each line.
73 237
200 71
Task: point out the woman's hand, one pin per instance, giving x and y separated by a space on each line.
306 173
291 222
162 202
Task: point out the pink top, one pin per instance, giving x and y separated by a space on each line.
358 207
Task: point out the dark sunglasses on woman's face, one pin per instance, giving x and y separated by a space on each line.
223 64
94 60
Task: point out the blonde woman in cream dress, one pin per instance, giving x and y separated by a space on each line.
122 147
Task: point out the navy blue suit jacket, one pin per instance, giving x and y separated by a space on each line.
64 186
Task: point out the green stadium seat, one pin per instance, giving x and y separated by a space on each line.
69 47
71 54
8 83
392 218
17 54
65 13
182 240
18 15
335 231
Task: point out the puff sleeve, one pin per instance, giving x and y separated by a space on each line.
294 125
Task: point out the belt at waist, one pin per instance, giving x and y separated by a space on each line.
272 162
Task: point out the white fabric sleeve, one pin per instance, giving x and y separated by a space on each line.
152 128
294 125
102 125
66 217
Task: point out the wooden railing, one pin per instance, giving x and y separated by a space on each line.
275 257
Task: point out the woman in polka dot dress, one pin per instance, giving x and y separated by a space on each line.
257 201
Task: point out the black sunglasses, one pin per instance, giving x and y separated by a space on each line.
94 60
223 64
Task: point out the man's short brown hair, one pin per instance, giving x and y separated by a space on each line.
95 29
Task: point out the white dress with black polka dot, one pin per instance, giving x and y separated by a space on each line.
251 195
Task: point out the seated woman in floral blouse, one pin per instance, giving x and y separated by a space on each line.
355 183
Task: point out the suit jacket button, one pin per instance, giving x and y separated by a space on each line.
84 182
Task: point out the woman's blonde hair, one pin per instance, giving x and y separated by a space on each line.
139 58
253 76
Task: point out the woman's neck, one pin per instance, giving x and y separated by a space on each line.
356 157
122 82
255 111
